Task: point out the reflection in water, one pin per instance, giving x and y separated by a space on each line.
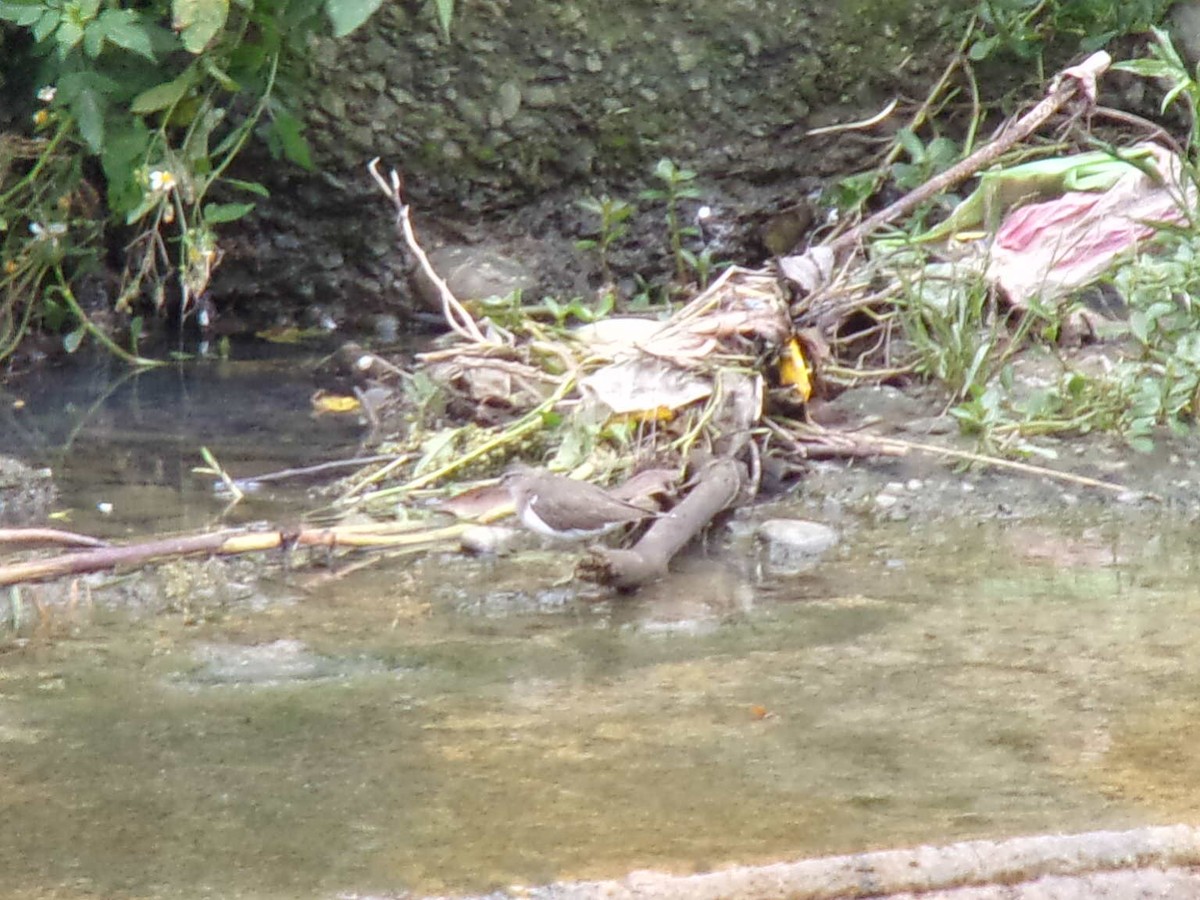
441 725
131 439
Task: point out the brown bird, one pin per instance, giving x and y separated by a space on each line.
566 509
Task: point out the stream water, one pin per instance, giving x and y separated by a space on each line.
447 724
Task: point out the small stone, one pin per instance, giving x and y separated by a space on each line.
794 545
489 540
474 273
914 484
508 99
540 96
886 501
386 327
401 96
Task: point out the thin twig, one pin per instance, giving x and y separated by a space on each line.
460 321
897 447
856 126
306 471
48 536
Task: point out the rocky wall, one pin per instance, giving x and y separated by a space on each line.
533 104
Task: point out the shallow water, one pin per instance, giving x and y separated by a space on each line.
129 441
446 724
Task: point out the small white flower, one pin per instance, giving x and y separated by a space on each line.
50 232
46 94
161 180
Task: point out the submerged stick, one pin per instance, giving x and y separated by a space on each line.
218 543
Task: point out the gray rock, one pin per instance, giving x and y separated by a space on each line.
490 540
794 545
26 493
474 273
278 662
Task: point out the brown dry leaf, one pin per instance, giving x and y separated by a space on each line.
501 381
618 336
478 503
646 485
644 385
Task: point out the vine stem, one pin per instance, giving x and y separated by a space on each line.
94 330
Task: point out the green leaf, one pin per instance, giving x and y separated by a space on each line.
46 24
286 135
124 28
73 339
198 21
445 12
125 147
89 116
85 94
93 39
347 15
219 75
1151 68
216 213
163 96
252 187
195 147
22 12
147 203
68 35
1141 443
983 48
911 144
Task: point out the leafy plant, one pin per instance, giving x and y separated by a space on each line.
1027 28
702 264
948 318
677 187
162 113
925 160
1181 87
614 217
578 310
